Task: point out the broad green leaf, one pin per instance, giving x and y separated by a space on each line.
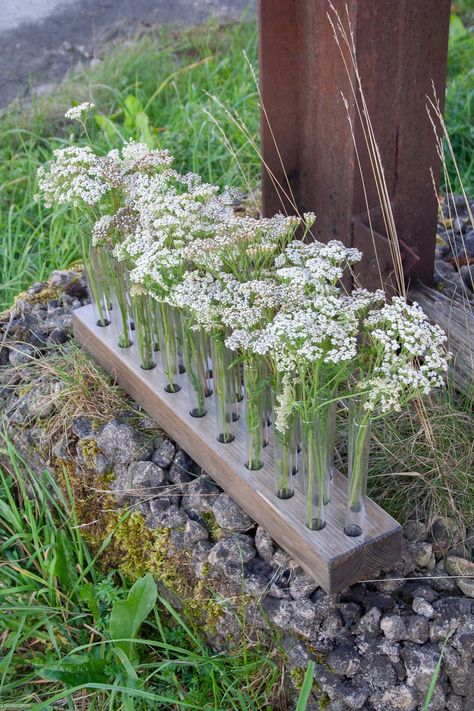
133 107
128 615
77 669
64 568
143 128
306 688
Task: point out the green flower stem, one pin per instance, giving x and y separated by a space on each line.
195 360
120 301
254 413
168 347
143 321
224 390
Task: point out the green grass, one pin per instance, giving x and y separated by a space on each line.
170 75
57 631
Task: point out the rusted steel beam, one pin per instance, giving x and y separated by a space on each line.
401 49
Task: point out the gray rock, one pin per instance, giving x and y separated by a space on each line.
195 532
377 670
60 278
415 531
460 670
200 495
264 544
467 274
445 533
332 625
303 620
445 623
344 660
58 336
398 698
423 608
163 515
180 470
82 427
418 629
443 271
121 444
457 566
255 584
233 551
353 694
454 703
422 552
440 580
369 624
420 663
199 558
229 515
463 640
301 585
21 353
280 612
351 613
163 452
145 479
39 401
393 628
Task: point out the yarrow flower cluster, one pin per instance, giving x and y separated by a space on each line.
77 113
265 294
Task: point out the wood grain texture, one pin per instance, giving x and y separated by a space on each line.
333 559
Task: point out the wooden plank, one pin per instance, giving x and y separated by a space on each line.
333 559
455 315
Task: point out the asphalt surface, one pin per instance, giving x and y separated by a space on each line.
41 40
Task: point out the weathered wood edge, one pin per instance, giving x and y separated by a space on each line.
334 560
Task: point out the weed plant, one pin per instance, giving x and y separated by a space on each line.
75 637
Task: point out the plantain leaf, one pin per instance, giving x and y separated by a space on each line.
128 615
76 670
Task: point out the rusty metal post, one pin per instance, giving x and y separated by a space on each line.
401 49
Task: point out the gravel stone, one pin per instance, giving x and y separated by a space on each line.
461 566
398 698
121 444
180 470
369 624
420 663
199 558
264 544
195 532
423 608
418 629
82 427
455 703
145 479
91 458
235 550
229 515
200 495
21 353
377 670
165 515
163 453
422 552
344 660
301 585
393 628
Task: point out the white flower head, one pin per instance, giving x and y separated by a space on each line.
77 113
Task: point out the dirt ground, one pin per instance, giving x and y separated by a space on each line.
41 40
